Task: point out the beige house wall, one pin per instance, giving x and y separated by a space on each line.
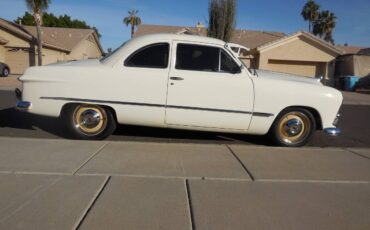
308 69
50 56
14 41
2 53
84 50
300 56
19 60
362 65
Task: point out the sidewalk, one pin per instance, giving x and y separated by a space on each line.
63 184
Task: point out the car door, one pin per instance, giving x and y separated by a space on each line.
140 85
207 89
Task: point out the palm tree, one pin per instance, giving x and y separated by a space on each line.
325 25
310 13
133 20
37 7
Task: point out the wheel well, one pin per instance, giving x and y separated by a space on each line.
313 111
65 106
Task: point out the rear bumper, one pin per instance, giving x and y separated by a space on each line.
23 105
20 104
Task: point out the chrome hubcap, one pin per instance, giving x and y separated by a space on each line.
90 119
293 127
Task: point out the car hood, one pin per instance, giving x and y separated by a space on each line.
287 77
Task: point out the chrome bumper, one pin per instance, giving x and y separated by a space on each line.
21 105
333 131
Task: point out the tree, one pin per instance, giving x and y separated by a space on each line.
324 26
50 20
222 19
133 20
310 13
37 7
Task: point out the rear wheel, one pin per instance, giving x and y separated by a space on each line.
89 121
293 128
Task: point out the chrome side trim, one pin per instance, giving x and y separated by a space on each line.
257 114
23 105
157 105
333 131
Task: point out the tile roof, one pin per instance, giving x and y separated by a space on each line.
351 49
247 38
64 39
307 35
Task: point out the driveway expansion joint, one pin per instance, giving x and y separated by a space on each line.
91 205
91 157
358 154
241 163
162 177
190 205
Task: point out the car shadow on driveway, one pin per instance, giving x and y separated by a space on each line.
12 118
42 126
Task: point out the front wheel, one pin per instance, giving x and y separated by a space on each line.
89 121
293 128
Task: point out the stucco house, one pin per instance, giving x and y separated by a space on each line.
300 53
354 62
18 45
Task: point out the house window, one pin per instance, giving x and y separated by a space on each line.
152 56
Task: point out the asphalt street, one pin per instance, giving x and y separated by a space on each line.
355 125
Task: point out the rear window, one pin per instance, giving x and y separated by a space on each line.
152 56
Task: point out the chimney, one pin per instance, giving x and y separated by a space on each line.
199 25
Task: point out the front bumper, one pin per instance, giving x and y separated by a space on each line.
20 104
333 131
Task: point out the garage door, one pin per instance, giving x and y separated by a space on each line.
18 60
310 69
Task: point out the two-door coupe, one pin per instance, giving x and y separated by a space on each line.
183 82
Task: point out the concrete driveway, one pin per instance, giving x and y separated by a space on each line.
62 184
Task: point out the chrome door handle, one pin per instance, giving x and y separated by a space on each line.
177 78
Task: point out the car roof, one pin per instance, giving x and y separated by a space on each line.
153 38
179 37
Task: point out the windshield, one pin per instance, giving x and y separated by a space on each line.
111 53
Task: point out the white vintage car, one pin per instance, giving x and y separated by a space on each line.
181 82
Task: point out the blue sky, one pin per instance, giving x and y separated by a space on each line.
353 24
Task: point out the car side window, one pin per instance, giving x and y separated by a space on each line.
228 65
196 57
204 58
151 56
